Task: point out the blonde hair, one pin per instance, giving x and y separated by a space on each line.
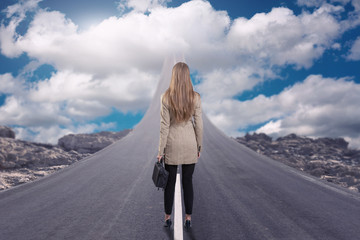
180 94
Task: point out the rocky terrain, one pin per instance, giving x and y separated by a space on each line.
326 158
23 161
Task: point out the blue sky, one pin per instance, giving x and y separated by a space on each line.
277 67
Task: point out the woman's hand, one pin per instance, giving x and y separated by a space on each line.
159 158
198 154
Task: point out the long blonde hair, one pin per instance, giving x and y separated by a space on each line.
180 94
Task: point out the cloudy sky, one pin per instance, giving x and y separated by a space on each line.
270 66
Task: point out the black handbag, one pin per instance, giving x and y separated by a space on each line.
160 175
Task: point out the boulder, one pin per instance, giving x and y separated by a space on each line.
258 137
291 136
335 142
90 143
6 132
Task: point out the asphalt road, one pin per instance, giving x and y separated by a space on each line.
239 194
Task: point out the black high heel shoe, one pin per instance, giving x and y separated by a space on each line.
168 223
187 224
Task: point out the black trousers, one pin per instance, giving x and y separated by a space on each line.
187 172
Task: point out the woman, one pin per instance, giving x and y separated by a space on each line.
181 131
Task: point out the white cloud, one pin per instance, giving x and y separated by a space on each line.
19 9
53 133
282 38
354 53
353 19
353 142
318 107
67 97
116 44
8 35
19 111
7 83
318 3
140 5
310 3
356 4
336 46
226 83
118 90
271 128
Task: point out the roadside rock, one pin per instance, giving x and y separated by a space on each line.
90 143
326 158
13 177
21 154
6 132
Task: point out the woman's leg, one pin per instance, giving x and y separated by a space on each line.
187 172
170 188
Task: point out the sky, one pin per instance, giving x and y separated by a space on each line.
276 67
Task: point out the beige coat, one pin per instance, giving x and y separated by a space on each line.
180 142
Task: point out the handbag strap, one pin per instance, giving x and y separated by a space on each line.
162 160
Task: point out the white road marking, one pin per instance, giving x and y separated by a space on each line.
178 228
